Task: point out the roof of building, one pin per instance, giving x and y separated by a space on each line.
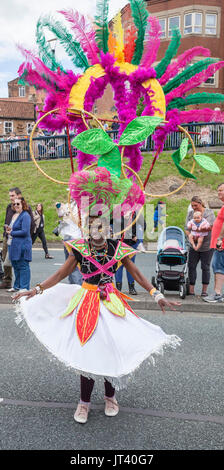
14 109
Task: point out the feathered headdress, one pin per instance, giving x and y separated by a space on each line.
107 53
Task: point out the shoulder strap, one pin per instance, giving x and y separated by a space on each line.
80 245
123 250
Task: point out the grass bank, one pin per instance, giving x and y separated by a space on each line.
36 188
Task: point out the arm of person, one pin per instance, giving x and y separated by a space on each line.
138 277
220 238
51 281
25 228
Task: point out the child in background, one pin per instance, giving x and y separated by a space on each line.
195 224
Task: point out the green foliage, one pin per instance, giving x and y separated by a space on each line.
93 141
111 161
207 163
139 129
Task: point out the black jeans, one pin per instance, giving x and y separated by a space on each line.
193 260
41 235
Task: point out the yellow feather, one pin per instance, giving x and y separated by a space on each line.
119 35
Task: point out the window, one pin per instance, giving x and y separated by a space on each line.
29 127
193 23
162 22
174 22
8 127
210 80
22 91
210 24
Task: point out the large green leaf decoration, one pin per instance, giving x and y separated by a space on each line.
111 161
184 172
177 159
94 141
139 129
183 149
207 163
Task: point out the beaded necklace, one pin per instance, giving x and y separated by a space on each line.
98 255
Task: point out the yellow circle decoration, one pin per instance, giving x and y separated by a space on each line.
191 171
79 89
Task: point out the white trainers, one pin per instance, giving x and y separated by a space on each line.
12 290
111 406
141 247
81 414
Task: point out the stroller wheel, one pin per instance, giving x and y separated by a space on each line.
160 287
153 281
182 291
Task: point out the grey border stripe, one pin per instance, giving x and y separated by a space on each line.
140 411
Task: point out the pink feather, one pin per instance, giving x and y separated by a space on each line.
201 115
58 78
181 62
194 81
85 34
153 42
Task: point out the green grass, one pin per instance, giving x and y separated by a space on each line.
36 188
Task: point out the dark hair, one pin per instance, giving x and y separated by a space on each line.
198 200
15 190
24 204
42 207
220 184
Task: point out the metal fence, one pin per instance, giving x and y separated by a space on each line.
54 147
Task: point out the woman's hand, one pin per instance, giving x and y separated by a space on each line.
8 229
166 303
28 294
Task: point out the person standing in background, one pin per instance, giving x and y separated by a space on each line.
20 245
39 220
217 243
204 254
14 192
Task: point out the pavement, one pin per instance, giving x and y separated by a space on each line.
41 269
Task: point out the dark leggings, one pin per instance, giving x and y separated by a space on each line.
41 235
193 259
87 388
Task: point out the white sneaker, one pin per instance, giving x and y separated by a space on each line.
141 247
22 290
111 406
12 290
81 414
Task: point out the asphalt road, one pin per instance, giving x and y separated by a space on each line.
176 405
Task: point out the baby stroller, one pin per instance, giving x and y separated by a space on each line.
171 251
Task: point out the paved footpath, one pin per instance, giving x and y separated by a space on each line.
177 405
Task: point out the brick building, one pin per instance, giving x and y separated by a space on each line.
201 22
17 112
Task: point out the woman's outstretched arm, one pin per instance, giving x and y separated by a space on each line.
51 281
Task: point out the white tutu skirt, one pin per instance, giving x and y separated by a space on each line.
116 348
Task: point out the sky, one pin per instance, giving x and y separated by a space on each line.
18 20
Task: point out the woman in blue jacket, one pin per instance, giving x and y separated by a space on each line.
20 245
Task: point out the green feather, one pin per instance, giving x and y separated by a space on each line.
170 53
72 47
101 21
140 15
188 73
196 98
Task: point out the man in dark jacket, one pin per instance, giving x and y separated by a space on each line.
7 278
